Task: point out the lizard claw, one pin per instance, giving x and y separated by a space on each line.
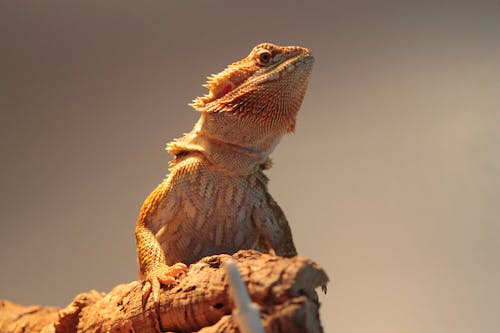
161 275
324 288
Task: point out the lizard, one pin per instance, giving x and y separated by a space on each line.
215 198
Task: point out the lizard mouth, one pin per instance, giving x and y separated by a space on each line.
305 60
301 59
302 62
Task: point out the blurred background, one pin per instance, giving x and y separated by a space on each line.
391 181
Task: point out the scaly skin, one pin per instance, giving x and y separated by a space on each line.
215 199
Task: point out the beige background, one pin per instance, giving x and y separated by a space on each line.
391 181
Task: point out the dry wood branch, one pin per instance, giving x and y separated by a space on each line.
284 288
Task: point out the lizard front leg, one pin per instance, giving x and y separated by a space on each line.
152 264
273 227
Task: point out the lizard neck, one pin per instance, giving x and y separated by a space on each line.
225 152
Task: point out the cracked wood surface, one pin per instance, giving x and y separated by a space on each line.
284 288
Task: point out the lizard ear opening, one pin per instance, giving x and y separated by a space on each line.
223 84
217 89
227 88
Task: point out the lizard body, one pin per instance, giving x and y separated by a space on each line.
215 198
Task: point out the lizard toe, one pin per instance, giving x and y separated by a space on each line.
162 275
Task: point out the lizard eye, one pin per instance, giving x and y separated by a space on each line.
264 57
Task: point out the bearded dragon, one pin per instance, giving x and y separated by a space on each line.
215 198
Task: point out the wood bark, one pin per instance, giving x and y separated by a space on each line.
284 288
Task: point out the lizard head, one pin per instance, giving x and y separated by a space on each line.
267 86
